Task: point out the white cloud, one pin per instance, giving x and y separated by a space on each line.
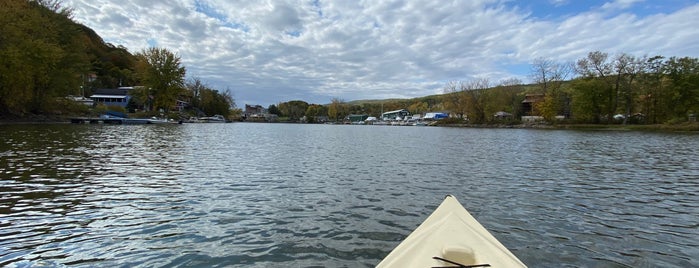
271 51
619 4
559 2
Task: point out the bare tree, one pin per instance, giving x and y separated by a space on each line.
595 65
455 99
57 7
618 74
509 95
474 92
549 75
195 87
633 68
510 82
336 109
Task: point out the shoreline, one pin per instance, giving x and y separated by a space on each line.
681 127
34 120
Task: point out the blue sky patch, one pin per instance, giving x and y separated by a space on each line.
294 33
560 9
152 42
211 12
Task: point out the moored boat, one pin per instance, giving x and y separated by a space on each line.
212 119
118 120
450 237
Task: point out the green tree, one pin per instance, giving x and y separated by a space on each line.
633 68
315 110
589 102
618 73
162 75
293 109
213 102
272 109
207 100
42 56
683 75
652 94
596 66
112 65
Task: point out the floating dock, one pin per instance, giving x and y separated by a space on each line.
120 121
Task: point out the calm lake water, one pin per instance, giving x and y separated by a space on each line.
286 195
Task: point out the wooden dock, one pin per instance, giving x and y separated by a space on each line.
120 121
97 120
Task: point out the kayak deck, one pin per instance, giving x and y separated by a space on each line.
450 237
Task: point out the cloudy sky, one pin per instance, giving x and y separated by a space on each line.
271 51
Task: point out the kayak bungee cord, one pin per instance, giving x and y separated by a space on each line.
458 265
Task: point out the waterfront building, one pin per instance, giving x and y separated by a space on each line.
395 115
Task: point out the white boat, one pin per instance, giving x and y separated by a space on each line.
450 237
213 119
155 120
110 119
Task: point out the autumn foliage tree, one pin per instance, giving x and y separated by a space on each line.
162 77
549 77
455 99
337 109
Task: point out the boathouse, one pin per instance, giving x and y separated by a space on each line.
112 96
397 114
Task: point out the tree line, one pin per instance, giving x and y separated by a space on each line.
46 56
619 88
599 89
660 89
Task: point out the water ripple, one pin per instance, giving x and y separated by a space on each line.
217 195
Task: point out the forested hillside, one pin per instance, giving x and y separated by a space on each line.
46 55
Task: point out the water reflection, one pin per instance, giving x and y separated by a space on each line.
315 195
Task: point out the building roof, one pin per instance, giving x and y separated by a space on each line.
108 96
531 98
113 91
